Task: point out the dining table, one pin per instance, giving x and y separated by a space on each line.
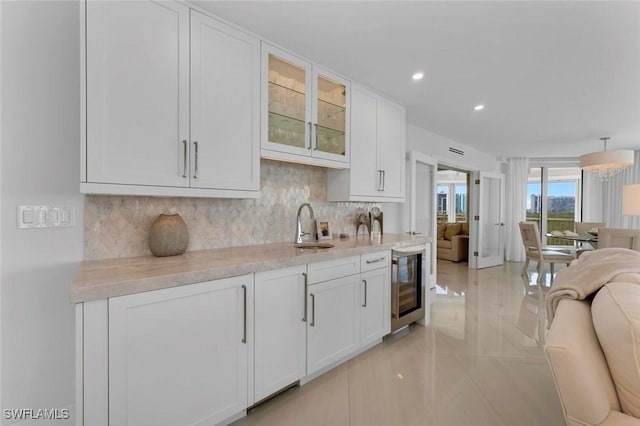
584 241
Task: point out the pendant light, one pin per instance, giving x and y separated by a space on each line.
606 163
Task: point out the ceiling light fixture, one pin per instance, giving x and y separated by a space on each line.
606 163
417 76
478 107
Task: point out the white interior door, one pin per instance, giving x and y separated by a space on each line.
423 183
488 243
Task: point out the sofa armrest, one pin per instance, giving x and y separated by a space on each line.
616 418
459 247
579 368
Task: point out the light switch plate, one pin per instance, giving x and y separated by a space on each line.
46 216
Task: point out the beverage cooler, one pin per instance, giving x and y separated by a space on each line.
408 280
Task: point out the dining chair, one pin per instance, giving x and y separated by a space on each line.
619 237
534 251
582 228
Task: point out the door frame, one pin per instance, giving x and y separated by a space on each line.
474 225
414 158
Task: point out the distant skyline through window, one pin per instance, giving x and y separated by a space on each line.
554 189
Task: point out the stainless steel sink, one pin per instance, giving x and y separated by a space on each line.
314 245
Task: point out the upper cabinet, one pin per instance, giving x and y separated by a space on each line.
378 145
305 111
172 103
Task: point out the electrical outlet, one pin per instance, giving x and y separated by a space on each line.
46 216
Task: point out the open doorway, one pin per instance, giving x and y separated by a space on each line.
453 214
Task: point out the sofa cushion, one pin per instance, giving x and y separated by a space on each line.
452 230
616 319
441 228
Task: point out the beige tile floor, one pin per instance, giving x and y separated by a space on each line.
475 364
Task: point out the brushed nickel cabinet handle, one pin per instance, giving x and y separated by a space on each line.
184 156
364 305
379 180
195 172
313 310
315 146
384 175
244 325
309 147
304 298
375 260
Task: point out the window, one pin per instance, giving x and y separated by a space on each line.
452 196
553 200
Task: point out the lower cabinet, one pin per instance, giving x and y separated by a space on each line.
178 356
280 329
375 312
333 328
200 354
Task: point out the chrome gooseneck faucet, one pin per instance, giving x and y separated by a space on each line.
300 234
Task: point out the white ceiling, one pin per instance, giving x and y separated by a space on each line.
554 76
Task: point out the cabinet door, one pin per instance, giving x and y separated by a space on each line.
376 305
333 328
392 148
286 102
137 83
364 175
178 356
225 106
330 116
280 329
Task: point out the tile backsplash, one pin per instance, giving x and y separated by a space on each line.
118 226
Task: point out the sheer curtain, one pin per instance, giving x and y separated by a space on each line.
516 179
612 197
592 198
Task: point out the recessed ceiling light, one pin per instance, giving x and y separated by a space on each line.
478 107
417 76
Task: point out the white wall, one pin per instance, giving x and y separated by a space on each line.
397 215
39 135
437 146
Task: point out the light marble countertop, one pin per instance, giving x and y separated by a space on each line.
101 279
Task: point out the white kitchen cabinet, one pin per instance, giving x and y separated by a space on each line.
137 92
305 111
333 328
375 312
280 329
178 356
375 306
392 148
378 145
172 107
225 106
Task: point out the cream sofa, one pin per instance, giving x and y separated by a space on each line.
594 388
456 247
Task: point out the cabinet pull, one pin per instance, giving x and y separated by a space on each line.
364 305
184 156
244 304
375 260
304 298
379 180
309 147
315 145
195 172
384 175
313 310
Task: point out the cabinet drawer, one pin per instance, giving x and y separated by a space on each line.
335 268
375 260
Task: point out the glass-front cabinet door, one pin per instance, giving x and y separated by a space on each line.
330 116
305 111
289 104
